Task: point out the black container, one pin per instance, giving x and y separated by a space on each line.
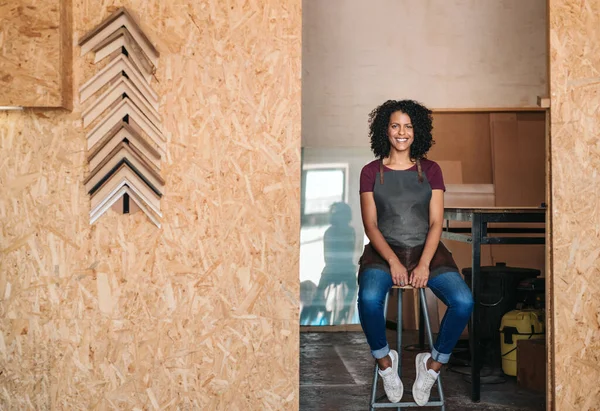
497 297
531 293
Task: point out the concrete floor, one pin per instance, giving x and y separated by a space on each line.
336 370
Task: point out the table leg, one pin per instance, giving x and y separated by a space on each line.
476 232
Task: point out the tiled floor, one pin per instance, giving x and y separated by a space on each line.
336 370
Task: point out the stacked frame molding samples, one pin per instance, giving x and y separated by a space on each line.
125 142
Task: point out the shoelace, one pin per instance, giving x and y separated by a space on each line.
391 381
429 381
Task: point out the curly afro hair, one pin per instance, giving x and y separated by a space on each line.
421 119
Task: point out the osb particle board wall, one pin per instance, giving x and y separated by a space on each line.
35 53
201 314
575 200
575 158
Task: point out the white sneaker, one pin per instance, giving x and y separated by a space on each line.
391 380
425 380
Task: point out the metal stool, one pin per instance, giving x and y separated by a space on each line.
435 402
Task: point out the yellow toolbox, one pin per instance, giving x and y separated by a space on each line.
518 325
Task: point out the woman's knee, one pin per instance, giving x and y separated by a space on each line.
462 304
373 290
452 289
369 300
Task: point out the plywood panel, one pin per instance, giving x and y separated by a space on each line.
469 195
203 312
575 201
532 153
518 158
36 53
464 137
452 171
505 158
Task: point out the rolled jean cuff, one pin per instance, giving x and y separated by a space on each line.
381 353
439 357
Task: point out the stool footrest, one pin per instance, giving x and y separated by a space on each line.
406 404
383 397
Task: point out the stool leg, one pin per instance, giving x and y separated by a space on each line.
425 314
399 332
374 388
421 330
399 335
375 373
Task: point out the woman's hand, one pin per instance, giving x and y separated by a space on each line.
419 276
399 273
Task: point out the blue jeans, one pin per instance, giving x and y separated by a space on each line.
448 287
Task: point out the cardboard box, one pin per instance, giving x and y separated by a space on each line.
531 364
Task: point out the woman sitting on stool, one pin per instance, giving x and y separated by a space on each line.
402 206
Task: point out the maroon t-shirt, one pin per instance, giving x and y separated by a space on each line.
431 169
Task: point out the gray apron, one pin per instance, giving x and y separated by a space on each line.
402 200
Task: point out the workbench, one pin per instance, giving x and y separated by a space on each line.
489 226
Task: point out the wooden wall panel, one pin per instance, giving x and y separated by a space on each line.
203 312
36 53
464 137
518 158
575 201
531 128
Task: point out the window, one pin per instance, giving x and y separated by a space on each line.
323 185
328 285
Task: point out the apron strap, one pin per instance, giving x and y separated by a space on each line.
419 171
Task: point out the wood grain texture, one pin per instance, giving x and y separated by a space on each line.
36 53
575 202
203 312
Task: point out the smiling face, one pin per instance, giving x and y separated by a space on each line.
400 131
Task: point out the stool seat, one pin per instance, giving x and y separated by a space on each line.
438 402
